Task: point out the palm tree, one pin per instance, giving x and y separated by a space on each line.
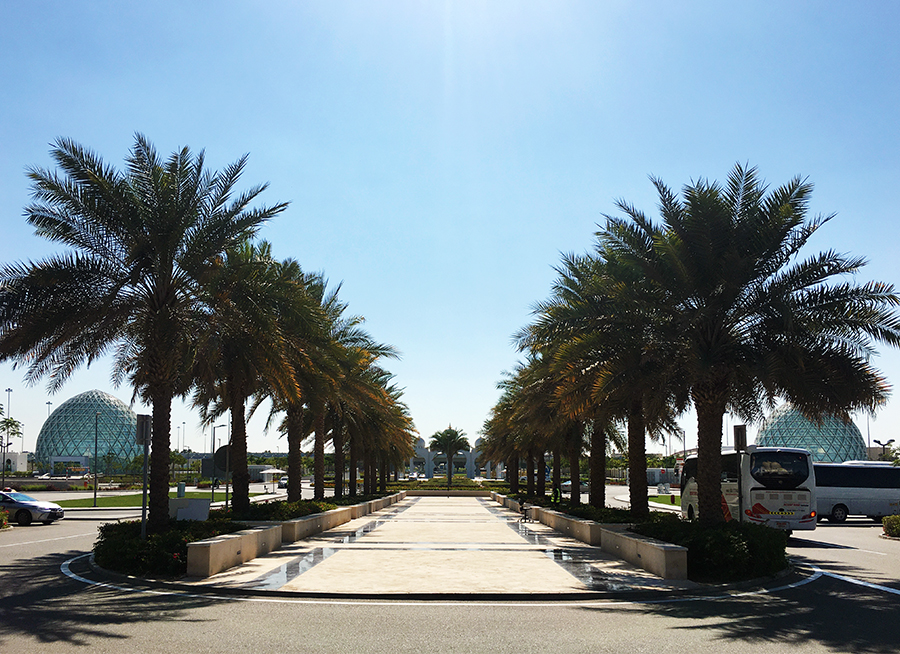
244 348
608 362
142 243
754 322
450 441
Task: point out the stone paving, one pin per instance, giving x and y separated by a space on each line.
440 545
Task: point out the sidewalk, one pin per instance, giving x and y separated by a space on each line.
433 546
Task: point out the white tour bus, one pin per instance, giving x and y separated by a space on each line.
868 488
773 486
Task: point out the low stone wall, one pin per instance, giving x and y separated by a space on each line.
662 559
429 492
587 531
213 555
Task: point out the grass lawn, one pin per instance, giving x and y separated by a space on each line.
135 499
666 499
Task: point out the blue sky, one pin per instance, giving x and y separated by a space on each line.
439 156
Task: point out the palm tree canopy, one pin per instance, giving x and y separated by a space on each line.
449 441
756 321
142 244
142 241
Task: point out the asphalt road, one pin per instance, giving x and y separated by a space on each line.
44 610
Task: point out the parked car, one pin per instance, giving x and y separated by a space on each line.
566 486
24 509
282 483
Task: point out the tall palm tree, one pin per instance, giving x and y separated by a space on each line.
755 322
607 357
450 441
142 242
244 347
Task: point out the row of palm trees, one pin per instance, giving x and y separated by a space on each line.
712 307
163 272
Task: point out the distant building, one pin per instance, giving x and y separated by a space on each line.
66 439
832 441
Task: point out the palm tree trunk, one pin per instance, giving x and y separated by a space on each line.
295 456
319 454
159 462
337 437
354 462
449 469
541 475
557 473
382 475
598 464
575 470
710 411
529 472
240 475
512 474
637 461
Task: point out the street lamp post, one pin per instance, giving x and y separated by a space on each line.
884 446
96 467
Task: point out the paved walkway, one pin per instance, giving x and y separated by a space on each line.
440 545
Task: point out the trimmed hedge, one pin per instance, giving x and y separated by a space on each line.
728 552
119 546
891 524
277 510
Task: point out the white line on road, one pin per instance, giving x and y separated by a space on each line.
45 540
66 570
860 582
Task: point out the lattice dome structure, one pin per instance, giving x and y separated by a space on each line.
832 441
68 434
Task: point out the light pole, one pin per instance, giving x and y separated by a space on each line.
884 446
96 468
49 404
183 437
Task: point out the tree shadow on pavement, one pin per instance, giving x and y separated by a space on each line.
37 600
838 615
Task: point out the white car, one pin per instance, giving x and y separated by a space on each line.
24 509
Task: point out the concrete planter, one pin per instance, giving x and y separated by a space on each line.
662 559
429 492
213 555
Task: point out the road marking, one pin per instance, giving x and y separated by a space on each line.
45 540
860 582
66 570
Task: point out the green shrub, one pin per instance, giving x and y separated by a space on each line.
729 552
891 525
347 500
279 510
119 546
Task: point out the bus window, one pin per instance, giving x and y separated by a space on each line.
779 470
730 470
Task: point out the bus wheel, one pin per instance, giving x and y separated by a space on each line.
838 513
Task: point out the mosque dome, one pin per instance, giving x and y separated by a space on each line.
68 434
832 441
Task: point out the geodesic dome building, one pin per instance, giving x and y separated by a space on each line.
68 434
832 441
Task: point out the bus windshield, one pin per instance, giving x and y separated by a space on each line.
779 470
